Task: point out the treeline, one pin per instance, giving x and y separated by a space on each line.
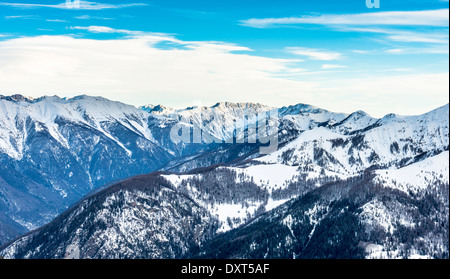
327 223
223 186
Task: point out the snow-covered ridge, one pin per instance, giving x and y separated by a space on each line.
15 112
220 121
17 98
428 131
409 153
163 110
360 142
417 176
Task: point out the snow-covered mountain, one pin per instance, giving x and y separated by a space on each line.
360 142
219 121
155 222
55 151
166 215
351 219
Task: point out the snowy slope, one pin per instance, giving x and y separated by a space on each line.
53 151
392 141
139 218
355 122
84 110
417 176
219 121
352 219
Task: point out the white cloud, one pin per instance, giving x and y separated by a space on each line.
361 51
395 51
56 20
314 54
410 18
137 71
421 50
435 37
83 5
416 37
87 17
332 66
22 17
153 38
103 29
431 38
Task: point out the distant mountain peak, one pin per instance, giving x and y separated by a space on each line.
301 109
238 105
359 114
64 148
17 98
390 116
156 109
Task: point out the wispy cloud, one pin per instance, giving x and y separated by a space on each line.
419 50
83 5
332 66
34 17
88 17
56 20
419 37
22 17
407 32
155 38
439 36
395 51
434 41
314 54
104 29
411 18
189 13
359 51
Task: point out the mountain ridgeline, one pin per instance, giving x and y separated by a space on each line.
92 178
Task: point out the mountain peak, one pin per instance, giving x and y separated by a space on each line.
17 98
390 116
221 104
301 109
158 109
238 105
358 115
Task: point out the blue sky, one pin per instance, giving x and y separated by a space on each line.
339 55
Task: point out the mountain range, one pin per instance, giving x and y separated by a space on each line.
92 178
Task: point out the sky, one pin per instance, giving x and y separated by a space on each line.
342 56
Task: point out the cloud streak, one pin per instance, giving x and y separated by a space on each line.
407 32
332 66
435 37
314 54
104 29
83 5
88 17
399 18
